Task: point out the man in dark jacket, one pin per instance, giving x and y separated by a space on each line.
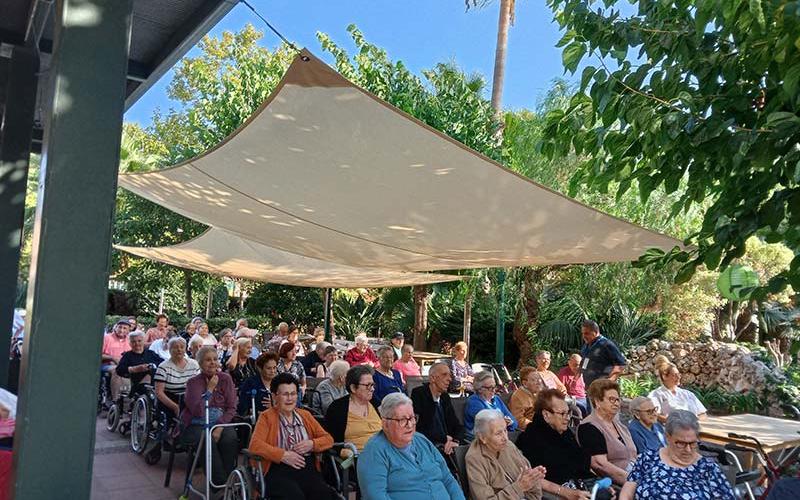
437 419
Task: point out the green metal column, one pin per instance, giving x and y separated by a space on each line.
500 342
71 249
328 305
16 128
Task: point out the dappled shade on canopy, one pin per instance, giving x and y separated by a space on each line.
219 252
326 170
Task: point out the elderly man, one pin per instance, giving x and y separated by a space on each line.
161 346
157 332
317 356
398 339
437 418
401 464
114 345
280 335
572 378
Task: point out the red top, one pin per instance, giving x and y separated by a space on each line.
354 357
574 383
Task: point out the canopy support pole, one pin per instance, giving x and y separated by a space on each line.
57 408
209 300
328 305
15 152
501 318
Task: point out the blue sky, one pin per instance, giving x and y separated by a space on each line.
421 33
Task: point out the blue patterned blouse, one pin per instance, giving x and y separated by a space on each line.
702 481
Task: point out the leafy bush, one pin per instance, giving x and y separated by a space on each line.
719 401
293 304
637 385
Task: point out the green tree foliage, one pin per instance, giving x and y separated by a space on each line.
292 304
698 97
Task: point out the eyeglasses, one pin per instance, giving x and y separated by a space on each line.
287 394
562 414
368 386
613 400
651 411
405 422
491 388
685 444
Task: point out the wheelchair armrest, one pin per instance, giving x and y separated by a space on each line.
747 476
338 447
736 447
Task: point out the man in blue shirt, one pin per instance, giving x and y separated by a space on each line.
601 357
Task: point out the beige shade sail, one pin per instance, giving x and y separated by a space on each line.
219 252
326 170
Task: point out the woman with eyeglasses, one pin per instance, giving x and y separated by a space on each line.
549 442
677 470
603 437
495 467
400 463
670 396
287 438
485 399
361 354
645 430
354 418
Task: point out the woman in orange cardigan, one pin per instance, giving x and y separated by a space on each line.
287 438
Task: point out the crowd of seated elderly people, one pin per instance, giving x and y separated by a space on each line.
401 439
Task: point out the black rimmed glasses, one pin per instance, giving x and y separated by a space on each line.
405 421
562 414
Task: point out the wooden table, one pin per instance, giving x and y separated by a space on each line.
775 434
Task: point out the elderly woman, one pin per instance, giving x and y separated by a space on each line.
463 376
645 430
188 332
549 442
240 365
202 331
400 464
172 375
361 354
267 365
294 337
406 364
495 467
287 438
332 388
222 408
485 398
677 470
195 344
522 400
289 364
387 380
225 346
355 418
670 396
549 379
330 355
137 364
603 437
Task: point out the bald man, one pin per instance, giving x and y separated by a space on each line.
437 418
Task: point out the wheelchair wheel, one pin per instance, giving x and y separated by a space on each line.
112 418
140 424
239 485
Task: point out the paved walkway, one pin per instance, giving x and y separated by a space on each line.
119 474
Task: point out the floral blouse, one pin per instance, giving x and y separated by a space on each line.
459 372
295 369
703 480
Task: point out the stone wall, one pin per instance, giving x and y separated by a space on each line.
730 367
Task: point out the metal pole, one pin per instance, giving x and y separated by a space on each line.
328 303
161 303
16 128
71 250
501 317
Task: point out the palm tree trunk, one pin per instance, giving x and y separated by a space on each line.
420 317
500 56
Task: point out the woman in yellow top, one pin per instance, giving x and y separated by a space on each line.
354 418
521 404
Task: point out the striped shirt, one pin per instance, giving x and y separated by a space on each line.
175 378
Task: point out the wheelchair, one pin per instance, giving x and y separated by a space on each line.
120 412
743 482
151 425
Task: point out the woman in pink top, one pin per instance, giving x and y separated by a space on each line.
406 364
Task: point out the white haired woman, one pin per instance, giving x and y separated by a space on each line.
483 399
361 354
332 388
677 470
495 467
240 365
172 375
401 464
645 430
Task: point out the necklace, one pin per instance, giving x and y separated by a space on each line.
361 410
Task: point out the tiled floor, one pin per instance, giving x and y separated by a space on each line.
119 474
